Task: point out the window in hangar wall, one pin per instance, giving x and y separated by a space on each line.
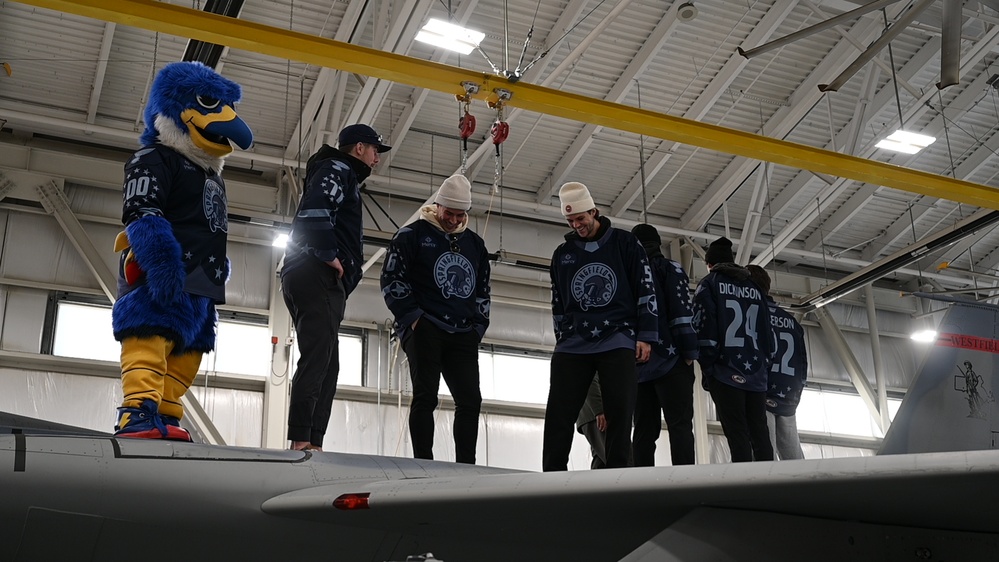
83 330
242 347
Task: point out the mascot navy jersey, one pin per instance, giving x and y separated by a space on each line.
159 181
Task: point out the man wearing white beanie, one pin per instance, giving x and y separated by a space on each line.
435 280
604 312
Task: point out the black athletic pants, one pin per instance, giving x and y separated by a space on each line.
434 353
316 299
743 416
571 375
673 395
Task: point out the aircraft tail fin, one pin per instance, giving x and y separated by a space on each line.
951 404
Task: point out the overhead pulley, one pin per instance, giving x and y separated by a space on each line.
466 121
499 130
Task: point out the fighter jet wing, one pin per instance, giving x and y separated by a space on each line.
834 509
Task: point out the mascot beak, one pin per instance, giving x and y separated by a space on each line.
212 132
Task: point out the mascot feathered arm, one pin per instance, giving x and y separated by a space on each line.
155 253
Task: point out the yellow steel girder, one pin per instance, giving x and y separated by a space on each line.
285 44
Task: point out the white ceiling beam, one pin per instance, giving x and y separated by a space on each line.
774 17
622 86
406 21
783 121
402 125
100 71
345 32
913 113
570 15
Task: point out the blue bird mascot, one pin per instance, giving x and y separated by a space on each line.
173 265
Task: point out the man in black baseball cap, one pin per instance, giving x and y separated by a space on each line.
322 264
353 134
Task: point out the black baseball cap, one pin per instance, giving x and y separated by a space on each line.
353 134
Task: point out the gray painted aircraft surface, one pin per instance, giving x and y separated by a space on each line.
951 403
82 495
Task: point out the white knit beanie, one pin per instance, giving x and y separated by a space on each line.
575 198
455 193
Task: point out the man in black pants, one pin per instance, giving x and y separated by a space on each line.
666 381
737 345
322 265
604 314
435 280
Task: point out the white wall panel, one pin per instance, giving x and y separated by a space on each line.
23 318
80 400
237 414
252 271
37 249
504 441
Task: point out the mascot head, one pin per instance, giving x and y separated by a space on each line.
191 109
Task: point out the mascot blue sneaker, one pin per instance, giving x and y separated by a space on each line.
147 423
173 267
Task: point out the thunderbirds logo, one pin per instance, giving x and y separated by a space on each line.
594 286
216 209
454 275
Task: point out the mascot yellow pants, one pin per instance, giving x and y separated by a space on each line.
150 371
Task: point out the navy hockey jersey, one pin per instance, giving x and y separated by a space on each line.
160 181
677 339
603 296
732 321
443 277
790 367
328 224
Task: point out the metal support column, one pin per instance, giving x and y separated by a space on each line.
879 366
198 421
835 337
6 185
55 203
275 420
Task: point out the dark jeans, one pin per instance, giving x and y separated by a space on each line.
595 438
571 375
743 416
673 394
316 299
433 353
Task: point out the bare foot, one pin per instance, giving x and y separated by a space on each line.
300 445
311 447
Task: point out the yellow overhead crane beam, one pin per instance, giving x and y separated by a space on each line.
285 44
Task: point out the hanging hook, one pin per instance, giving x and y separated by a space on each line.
500 129
466 121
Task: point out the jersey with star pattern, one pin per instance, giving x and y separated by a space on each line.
328 224
160 181
677 339
732 321
603 296
790 368
441 276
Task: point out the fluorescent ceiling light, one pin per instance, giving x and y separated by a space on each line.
280 241
449 36
906 142
924 336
